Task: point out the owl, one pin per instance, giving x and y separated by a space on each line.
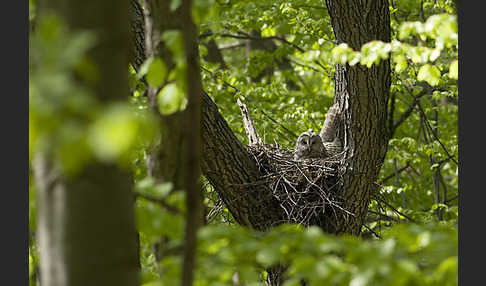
334 147
309 145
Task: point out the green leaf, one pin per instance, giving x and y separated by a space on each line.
144 68
429 74
268 256
401 63
268 32
114 133
174 4
453 69
171 99
156 73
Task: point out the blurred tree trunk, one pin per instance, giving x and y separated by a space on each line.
193 146
176 157
86 228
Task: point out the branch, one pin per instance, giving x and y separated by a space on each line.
232 46
393 174
451 199
160 201
225 83
279 124
407 113
248 37
397 182
381 216
251 132
427 124
372 231
382 200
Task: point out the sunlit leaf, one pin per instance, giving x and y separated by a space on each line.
171 99
430 74
156 73
453 69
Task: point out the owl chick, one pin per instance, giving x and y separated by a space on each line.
309 145
334 147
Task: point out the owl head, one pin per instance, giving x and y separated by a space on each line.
309 145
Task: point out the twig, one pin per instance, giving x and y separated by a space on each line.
372 231
279 124
451 199
427 124
232 46
248 37
393 174
161 202
397 181
407 113
392 207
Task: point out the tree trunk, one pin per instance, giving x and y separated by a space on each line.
192 137
361 94
86 228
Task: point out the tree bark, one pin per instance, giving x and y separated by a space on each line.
86 228
362 95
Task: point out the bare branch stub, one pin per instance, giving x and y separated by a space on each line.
250 129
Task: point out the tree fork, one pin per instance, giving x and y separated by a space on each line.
362 96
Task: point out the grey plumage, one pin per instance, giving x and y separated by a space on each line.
309 145
334 147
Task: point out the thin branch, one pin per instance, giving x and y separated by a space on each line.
304 65
390 206
160 201
372 231
408 112
382 216
248 37
279 124
312 7
451 199
393 174
391 112
215 77
248 100
427 124
397 181
232 46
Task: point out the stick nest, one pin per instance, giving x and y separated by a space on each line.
307 190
